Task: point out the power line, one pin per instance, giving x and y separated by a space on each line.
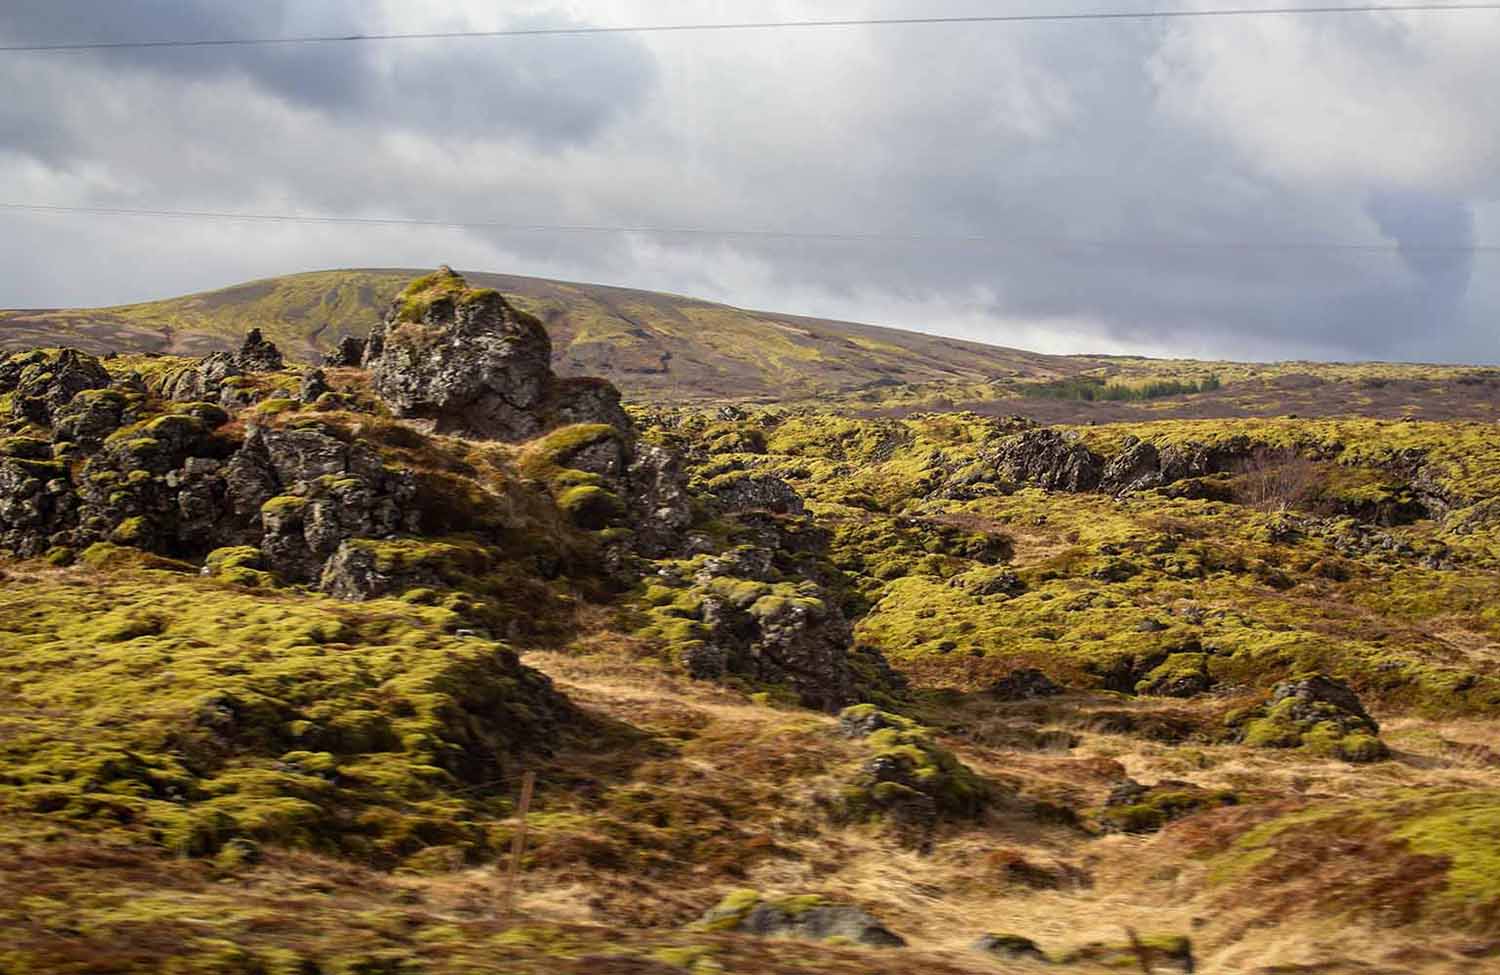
758 234
752 26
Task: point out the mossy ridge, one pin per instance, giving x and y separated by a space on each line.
214 712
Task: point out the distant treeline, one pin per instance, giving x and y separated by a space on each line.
1094 390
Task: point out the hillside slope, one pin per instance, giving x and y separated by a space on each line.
652 345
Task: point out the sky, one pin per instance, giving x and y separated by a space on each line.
1253 188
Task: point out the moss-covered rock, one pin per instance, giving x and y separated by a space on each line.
1136 808
808 916
908 779
1318 714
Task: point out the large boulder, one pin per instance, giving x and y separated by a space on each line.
1318 713
462 359
774 634
754 491
349 353
93 415
259 355
657 497
331 492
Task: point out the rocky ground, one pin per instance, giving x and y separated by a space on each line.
805 690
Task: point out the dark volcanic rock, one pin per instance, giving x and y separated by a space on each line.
204 382
1136 468
91 416
44 381
756 492
1010 947
258 355
472 365
1023 685
801 641
349 353
1323 698
1050 460
1320 713
314 384
657 496
331 492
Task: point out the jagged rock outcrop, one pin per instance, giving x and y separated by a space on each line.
92 415
35 500
259 355
218 377
469 363
1060 462
314 384
753 491
1049 459
331 491
1323 698
908 781
44 381
349 353
1135 468
774 633
656 494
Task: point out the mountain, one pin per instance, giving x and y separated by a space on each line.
652 345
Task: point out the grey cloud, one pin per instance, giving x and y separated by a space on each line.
494 88
1041 141
1434 235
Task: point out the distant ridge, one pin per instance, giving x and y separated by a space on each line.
652 345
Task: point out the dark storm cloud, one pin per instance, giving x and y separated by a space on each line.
1434 235
525 89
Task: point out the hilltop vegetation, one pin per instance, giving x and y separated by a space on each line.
673 349
806 689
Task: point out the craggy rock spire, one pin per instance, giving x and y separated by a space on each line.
468 363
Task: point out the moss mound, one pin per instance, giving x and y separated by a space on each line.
193 713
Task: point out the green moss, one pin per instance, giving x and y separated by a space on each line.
590 507
234 557
1160 806
418 297
275 406
1457 831
213 713
106 556
132 531
26 448
921 766
284 505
